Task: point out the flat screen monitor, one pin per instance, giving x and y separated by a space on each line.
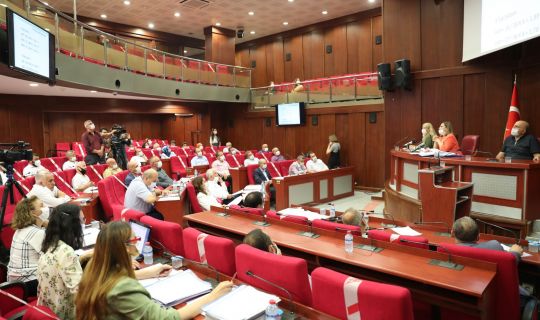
142 231
31 48
290 114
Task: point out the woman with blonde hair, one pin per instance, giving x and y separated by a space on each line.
26 245
109 289
428 134
333 151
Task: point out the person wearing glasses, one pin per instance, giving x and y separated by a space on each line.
119 294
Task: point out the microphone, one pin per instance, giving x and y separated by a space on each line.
445 264
399 142
289 295
501 228
309 233
418 147
393 225
444 234
409 143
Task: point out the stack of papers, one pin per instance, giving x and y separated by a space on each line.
406 231
178 287
300 212
243 302
170 197
436 153
90 236
507 249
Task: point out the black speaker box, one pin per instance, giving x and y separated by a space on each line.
314 120
384 76
402 78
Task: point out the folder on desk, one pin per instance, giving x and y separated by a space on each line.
177 288
90 237
242 303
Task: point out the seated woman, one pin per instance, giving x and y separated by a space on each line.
203 196
446 141
26 245
428 134
120 295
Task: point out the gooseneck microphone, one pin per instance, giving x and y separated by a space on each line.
445 264
393 225
500 228
289 295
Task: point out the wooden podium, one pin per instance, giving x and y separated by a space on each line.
443 199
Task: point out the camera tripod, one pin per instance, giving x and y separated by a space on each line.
8 192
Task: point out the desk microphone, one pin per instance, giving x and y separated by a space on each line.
445 264
418 147
409 143
393 225
251 274
400 141
501 228
435 222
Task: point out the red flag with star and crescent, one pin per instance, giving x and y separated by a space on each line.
513 112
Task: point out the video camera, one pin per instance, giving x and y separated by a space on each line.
118 130
12 152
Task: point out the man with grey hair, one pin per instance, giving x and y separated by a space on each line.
142 194
93 144
354 217
46 190
520 144
134 169
217 187
164 180
71 162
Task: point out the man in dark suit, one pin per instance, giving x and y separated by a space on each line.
260 175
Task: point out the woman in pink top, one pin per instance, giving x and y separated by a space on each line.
446 141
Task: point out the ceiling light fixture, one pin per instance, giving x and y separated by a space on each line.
324 12
177 14
93 91
127 2
218 24
185 51
3 5
33 84
151 25
103 16
291 0
285 23
371 1
251 13
252 32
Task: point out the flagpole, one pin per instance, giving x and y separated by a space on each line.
515 78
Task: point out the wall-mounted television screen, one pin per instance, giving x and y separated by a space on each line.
31 48
291 114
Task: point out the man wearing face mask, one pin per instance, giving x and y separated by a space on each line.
93 144
199 159
229 148
142 194
164 180
298 167
71 162
46 190
276 155
81 182
250 159
112 168
264 148
139 157
520 144
314 164
134 171
33 166
260 175
221 167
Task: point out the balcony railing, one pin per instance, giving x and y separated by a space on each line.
361 86
82 41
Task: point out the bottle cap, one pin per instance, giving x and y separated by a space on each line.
272 301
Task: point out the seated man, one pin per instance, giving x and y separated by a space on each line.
222 169
520 144
46 190
134 171
205 199
298 167
314 164
250 159
199 159
217 188
173 143
229 148
81 182
254 200
112 168
276 155
260 240
139 157
166 153
353 217
185 145
164 180
33 166
264 148
262 175
71 162
142 194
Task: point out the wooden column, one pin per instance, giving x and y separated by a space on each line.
220 45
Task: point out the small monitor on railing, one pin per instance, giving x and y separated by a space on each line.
30 47
291 114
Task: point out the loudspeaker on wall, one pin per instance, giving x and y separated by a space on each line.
314 120
402 78
384 76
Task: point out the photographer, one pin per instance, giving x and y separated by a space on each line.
119 140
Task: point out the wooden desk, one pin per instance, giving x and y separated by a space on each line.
317 187
173 210
239 178
91 210
396 264
166 166
504 193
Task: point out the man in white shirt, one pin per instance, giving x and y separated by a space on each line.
250 159
81 181
229 148
314 164
199 159
71 162
46 190
33 166
217 187
139 157
142 194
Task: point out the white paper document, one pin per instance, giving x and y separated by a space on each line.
90 236
242 303
436 153
507 249
406 231
300 212
169 197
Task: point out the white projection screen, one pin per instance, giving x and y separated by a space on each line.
491 25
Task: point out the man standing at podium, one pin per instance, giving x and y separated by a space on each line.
520 145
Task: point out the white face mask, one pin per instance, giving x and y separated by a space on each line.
515 132
314 159
251 157
140 154
264 166
115 166
278 153
73 159
233 151
442 132
152 186
221 158
424 132
159 164
265 149
92 127
199 154
37 163
216 179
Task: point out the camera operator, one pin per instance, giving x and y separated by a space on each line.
119 140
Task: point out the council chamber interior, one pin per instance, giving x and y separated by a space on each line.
320 108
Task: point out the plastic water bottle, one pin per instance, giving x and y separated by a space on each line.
349 242
272 311
263 189
332 210
148 254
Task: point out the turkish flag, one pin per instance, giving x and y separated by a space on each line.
513 113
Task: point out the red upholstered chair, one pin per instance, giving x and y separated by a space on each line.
95 172
69 175
192 196
148 153
169 234
18 167
394 238
254 211
129 214
272 215
469 144
334 226
215 251
50 164
62 183
273 168
9 306
250 170
211 150
283 166
178 167
78 148
288 272
342 296
506 291
232 161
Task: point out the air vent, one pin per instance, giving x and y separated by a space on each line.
195 4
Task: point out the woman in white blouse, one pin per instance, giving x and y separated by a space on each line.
203 196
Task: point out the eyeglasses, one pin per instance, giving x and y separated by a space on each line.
133 241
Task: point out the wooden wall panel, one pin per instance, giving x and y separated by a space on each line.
278 62
294 68
335 63
377 49
259 77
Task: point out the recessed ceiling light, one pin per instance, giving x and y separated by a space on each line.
185 51
251 13
93 91
33 84
218 24
291 0
151 25
371 1
103 16
46 3
324 12
177 14
252 32
127 2
285 23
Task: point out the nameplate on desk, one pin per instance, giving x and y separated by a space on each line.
368 247
446 264
222 214
308 234
261 223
